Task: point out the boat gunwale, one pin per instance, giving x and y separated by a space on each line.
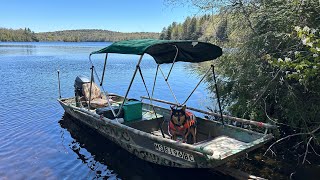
188 147
241 120
219 123
264 138
205 119
198 149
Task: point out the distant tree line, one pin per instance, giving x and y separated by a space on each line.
82 35
190 29
25 35
93 35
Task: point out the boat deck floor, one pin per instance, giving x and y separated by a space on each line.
219 145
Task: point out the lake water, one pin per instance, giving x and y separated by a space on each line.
38 141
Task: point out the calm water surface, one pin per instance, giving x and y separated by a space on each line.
38 141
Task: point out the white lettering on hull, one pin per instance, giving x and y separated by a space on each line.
174 152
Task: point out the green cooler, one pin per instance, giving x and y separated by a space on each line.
132 111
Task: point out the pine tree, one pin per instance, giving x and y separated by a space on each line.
163 33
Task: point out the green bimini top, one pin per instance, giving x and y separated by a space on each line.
164 51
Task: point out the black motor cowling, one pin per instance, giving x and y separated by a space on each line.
80 80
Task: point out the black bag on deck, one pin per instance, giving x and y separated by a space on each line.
106 112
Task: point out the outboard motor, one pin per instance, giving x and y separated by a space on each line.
80 80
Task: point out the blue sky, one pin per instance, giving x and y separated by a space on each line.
114 15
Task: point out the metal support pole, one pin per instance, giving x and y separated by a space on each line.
134 75
155 79
197 86
90 87
174 60
217 92
59 84
154 110
175 98
104 68
105 92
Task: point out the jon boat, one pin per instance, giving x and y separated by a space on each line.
141 127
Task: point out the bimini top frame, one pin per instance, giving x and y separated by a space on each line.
163 51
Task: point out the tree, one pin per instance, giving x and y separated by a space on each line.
185 29
221 33
267 81
163 33
272 75
175 31
168 32
192 29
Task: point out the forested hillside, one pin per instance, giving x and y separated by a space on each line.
93 35
82 35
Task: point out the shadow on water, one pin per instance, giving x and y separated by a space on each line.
117 162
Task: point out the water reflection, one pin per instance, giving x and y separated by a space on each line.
105 159
17 49
17 45
47 48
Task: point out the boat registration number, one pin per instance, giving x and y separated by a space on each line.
174 152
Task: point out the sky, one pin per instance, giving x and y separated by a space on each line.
114 15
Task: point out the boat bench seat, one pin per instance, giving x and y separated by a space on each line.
150 115
148 123
97 99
